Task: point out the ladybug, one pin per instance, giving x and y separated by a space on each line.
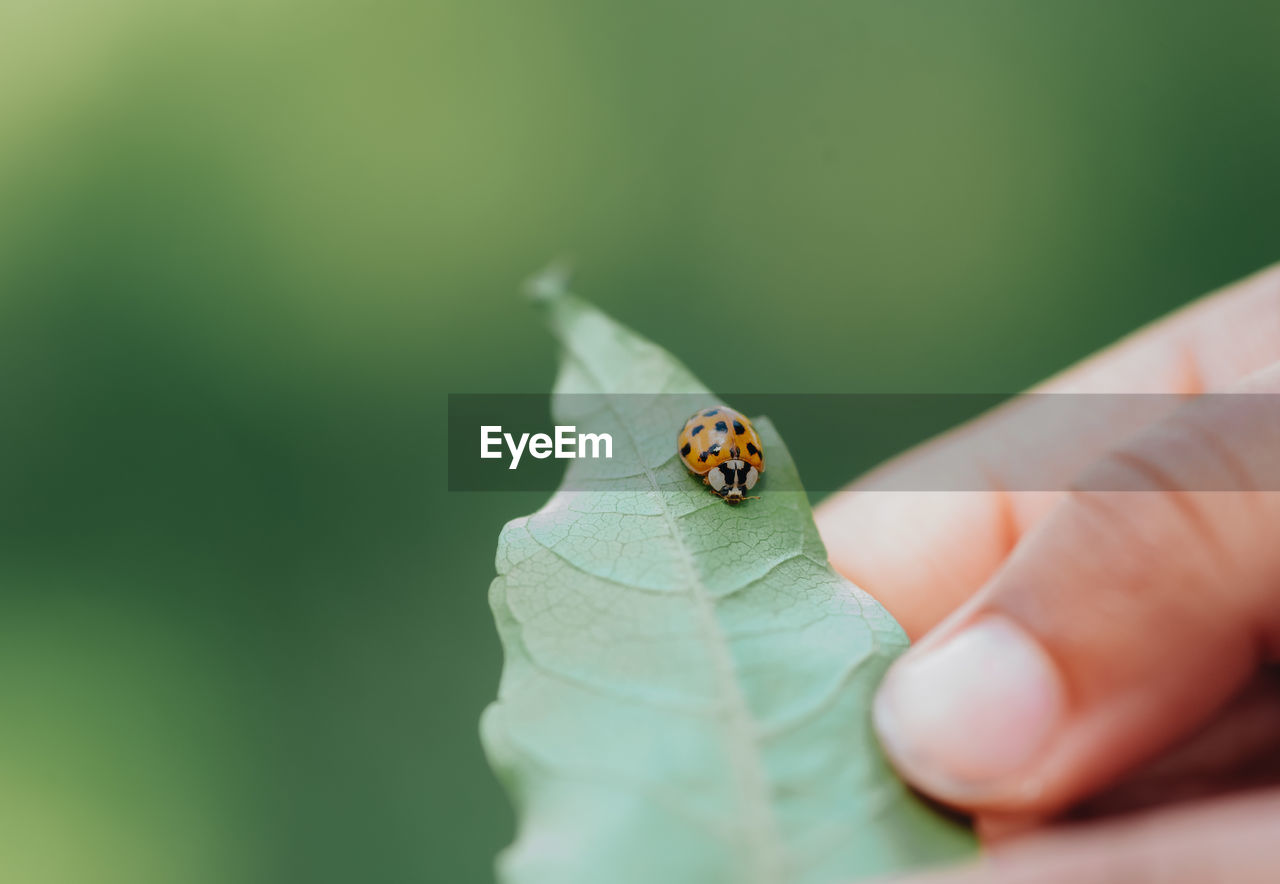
720 445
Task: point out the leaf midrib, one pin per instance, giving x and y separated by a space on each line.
768 852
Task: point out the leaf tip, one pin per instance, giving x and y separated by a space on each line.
549 283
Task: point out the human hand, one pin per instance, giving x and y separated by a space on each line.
1110 644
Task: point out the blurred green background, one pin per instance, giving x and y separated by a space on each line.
247 247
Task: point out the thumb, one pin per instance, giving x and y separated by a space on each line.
1132 613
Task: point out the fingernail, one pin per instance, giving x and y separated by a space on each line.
959 719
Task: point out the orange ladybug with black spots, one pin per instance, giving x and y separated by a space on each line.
720 445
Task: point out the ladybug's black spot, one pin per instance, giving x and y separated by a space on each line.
722 427
698 429
684 452
712 413
715 449
738 427
703 456
751 449
733 452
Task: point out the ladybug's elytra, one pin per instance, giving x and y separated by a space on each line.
720 445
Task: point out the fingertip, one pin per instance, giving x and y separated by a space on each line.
964 719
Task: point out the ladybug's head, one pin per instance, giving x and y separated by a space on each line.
732 480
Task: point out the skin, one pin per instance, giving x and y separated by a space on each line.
1093 677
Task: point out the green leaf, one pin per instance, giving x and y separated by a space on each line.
686 687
